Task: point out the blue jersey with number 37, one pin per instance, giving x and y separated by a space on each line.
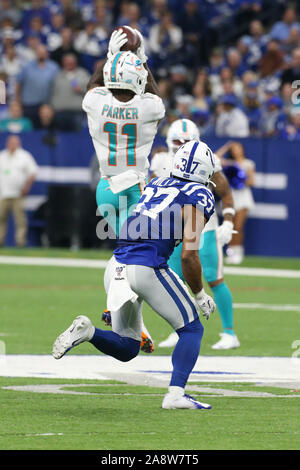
149 236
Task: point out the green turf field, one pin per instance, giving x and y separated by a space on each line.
38 302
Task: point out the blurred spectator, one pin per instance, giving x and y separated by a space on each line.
34 83
72 14
193 27
183 106
270 66
292 129
202 92
47 124
46 115
158 8
10 64
131 16
27 49
68 91
240 172
231 121
165 40
282 29
235 62
33 9
273 119
54 35
252 108
292 73
90 45
66 46
9 10
179 76
16 122
227 83
255 43
36 26
18 171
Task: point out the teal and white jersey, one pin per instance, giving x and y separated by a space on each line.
161 166
122 132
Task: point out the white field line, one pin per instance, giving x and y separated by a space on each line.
279 308
96 264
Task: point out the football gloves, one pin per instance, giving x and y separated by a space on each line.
224 232
205 303
117 40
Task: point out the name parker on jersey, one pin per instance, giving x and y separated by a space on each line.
117 112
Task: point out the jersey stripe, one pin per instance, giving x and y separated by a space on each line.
191 157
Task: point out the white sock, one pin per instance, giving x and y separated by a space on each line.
176 391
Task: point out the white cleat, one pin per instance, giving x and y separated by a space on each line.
170 342
227 342
81 330
174 402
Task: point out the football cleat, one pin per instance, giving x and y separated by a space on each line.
173 402
170 341
147 344
81 330
106 317
227 341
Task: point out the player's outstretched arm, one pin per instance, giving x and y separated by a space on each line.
191 266
190 261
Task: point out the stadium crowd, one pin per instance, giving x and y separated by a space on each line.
231 66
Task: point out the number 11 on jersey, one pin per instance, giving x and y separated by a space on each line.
128 130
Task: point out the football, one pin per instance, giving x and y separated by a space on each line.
133 42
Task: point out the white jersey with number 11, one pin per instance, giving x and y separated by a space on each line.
122 132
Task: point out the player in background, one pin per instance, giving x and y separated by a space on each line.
213 236
182 204
123 110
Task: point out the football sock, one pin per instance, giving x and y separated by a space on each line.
223 299
186 352
120 347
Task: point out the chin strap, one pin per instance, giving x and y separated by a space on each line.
212 183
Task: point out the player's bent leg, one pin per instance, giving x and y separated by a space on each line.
123 343
120 347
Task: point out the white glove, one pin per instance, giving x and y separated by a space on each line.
140 52
206 303
117 40
224 232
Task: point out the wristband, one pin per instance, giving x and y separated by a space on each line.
228 210
200 294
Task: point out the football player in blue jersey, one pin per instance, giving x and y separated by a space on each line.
171 210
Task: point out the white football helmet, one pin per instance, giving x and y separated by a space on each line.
125 71
181 131
194 161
